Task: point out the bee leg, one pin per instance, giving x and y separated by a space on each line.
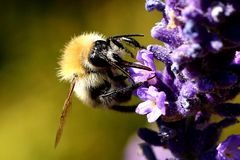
122 91
122 95
120 108
119 78
119 45
127 39
132 42
116 78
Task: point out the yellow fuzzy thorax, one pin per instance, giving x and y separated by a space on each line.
75 54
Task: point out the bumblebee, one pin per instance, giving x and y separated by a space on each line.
97 72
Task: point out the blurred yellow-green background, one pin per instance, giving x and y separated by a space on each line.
32 34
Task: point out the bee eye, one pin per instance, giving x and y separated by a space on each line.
96 60
95 57
101 45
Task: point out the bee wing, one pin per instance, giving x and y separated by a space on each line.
66 109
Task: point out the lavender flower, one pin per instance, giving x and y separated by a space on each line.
194 47
229 149
154 4
200 51
138 75
162 33
237 58
154 105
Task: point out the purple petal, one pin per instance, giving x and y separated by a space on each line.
139 55
237 58
160 53
188 90
179 55
229 149
154 115
142 93
152 91
146 57
217 12
160 101
140 75
145 107
169 36
215 44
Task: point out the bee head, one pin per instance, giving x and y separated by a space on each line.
75 56
107 54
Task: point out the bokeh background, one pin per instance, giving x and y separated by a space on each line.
32 34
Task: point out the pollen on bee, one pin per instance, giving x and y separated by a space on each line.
74 55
